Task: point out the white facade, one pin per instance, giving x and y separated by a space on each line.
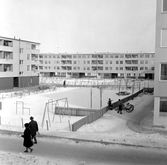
101 65
19 59
160 87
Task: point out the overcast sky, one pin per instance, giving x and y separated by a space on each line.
83 26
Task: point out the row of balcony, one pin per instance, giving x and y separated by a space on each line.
98 56
99 68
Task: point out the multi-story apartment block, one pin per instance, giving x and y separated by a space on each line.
18 63
160 84
101 65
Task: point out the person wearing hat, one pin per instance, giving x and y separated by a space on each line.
27 138
33 125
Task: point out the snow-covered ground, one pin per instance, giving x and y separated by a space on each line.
110 128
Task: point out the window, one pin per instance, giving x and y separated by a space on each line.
121 62
121 68
141 55
163 72
21 61
116 68
146 62
122 75
141 68
163 106
110 68
147 55
28 56
164 37
117 62
106 68
28 67
106 62
141 62
110 62
21 50
164 5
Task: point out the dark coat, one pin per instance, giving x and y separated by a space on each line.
27 138
33 127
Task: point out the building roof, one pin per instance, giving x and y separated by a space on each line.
19 39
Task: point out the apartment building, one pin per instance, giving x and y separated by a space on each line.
101 65
160 87
18 63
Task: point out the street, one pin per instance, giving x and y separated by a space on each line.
71 152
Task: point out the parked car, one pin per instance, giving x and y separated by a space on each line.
123 93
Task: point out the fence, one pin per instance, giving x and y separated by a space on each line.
96 115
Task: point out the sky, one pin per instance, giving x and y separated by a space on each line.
83 26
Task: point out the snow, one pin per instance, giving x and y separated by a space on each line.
110 128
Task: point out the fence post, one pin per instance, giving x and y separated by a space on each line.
69 125
47 125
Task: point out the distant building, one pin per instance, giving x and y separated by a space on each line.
101 65
18 63
160 87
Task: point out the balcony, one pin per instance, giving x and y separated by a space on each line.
34 47
34 57
7 43
6 68
66 62
34 68
94 62
6 55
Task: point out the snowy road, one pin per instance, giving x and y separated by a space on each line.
82 153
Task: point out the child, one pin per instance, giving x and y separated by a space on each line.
27 138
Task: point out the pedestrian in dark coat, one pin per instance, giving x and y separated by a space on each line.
33 125
27 138
110 103
64 83
119 107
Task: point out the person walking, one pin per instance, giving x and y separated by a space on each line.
27 138
110 103
119 107
33 125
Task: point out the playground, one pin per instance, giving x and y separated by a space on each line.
17 110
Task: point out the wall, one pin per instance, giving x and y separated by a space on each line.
27 82
6 83
89 119
75 111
